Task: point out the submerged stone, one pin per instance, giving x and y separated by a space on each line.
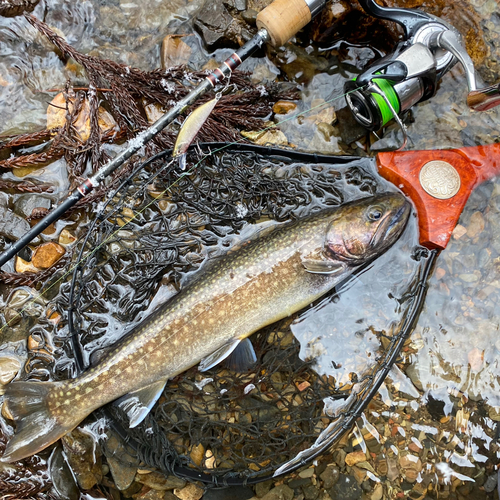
26 203
47 255
11 225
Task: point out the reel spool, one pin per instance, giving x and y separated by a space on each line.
391 86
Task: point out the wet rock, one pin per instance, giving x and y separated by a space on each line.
284 107
66 238
57 115
11 8
28 300
9 368
11 225
123 475
346 488
174 51
491 483
281 492
217 27
392 469
62 478
355 457
298 482
339 457
378 492
311 492
343 19
80 450
197 454
189 492
307 473
330 476
26 203
476 225
146 494
231 493
47 254
262 74
494 413
273 136
359 474
411 466
4 199
22 266
382 468
158 481
250 16
298 64
459 231
326 130
263 488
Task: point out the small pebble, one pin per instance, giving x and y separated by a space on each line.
355 457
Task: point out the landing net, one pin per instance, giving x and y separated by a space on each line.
155 230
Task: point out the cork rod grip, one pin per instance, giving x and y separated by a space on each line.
283 18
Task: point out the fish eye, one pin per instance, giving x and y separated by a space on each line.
374 213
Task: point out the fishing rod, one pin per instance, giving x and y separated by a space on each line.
277 23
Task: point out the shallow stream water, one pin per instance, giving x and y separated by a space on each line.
442 406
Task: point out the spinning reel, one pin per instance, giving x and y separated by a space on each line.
409 75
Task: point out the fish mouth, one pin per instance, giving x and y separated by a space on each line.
392 224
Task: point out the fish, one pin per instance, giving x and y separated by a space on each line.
211 318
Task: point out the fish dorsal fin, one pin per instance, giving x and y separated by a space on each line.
219 355
318 266
137 404
243 358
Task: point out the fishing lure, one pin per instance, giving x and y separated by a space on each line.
190 129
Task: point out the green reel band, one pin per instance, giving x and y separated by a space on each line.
386 87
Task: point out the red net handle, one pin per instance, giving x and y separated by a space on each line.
411 171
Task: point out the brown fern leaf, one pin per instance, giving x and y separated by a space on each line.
25 187
30 139
32 160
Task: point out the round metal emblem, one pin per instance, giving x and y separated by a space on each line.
440 179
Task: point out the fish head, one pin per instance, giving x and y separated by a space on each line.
366 228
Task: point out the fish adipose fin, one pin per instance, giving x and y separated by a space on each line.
323 266
36 425
138 404
243 358
219 355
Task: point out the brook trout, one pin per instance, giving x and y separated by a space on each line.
227 301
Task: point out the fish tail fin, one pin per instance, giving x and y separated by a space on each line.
36 425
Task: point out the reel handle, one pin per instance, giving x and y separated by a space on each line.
439 183
478 99
283 18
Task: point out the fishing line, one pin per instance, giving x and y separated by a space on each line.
188 172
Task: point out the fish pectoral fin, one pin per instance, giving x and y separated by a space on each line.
138 404
323 266
219 355
243 358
